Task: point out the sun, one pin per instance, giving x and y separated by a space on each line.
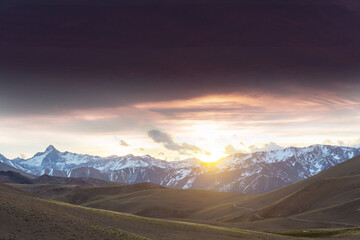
213 157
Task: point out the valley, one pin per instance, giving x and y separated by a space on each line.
328 202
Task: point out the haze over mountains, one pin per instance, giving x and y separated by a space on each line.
257 172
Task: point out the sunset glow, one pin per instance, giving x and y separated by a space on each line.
183 91
247 122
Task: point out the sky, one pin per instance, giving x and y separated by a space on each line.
178 79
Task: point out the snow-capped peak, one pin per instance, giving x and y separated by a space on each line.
50 148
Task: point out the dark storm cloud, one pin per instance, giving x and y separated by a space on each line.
68 54
168 142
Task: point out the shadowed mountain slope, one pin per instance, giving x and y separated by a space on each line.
14 177
4 167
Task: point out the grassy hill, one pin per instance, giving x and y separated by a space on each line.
321 194
144 199
25 216
82 181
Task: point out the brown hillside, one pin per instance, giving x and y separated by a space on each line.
23 216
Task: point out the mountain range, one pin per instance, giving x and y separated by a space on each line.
257 172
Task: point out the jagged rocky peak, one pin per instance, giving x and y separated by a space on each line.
50 148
